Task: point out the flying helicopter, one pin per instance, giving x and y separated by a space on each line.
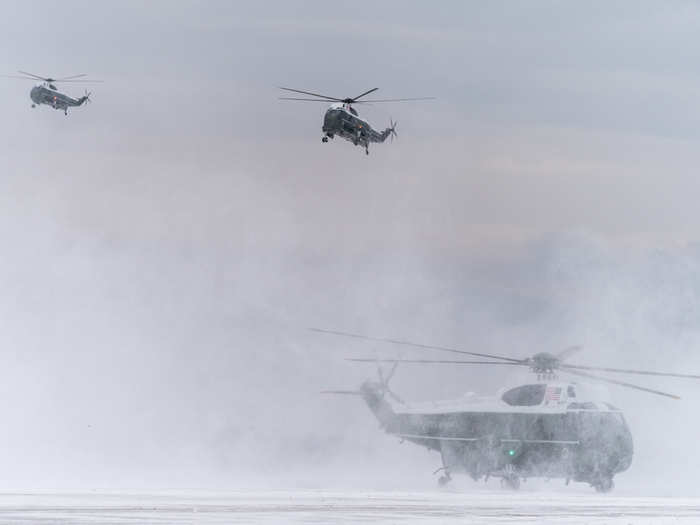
342 119
47 93
548 428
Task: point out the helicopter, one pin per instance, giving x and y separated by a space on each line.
548 428
342 119
47 93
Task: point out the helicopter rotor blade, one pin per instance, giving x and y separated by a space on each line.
306 99
415 345
70 77
432 361
393 100
342 392
312 94
395 397
79 80
628 371
568 352
17 76
354 99
380 373
73 78
621 383
391 372
37 77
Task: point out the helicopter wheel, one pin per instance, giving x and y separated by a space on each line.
444 480
324 139
604 486
33 105
366 151
512 483
510 479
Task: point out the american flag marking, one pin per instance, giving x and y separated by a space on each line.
552 394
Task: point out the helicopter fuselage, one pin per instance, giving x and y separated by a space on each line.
549 429
538 430
47 94
342 120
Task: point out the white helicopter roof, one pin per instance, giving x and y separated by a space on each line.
551 397
341 106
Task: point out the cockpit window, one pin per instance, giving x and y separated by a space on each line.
525 396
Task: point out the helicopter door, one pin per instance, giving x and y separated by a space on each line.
348 126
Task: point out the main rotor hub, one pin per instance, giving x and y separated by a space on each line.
543 363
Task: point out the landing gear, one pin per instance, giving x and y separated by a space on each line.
604 485
324 139
511 483
511 478
33 105
444 480
366 150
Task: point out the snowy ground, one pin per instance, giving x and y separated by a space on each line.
319 507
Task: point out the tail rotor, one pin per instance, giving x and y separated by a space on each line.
392 130
384 382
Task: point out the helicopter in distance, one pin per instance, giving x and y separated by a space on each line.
342 119
548 428
47 93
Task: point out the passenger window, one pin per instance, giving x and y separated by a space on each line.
525 396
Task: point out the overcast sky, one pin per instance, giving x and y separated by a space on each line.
165 247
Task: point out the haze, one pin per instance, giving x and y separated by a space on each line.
165 248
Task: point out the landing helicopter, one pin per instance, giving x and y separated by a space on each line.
343 120
549 429
47 92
